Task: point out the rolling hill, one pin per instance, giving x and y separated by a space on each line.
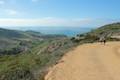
91 61
5 33
26 55
109 31
20 41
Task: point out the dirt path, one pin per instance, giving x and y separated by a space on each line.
89 62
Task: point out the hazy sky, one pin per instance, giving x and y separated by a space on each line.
82 13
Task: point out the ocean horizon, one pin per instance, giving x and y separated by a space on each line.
68 31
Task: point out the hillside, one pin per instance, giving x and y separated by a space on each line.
15 34
5 33
26 55
14 42
109 31
91 61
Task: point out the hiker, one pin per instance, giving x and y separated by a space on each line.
102 40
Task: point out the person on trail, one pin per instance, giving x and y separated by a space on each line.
103 40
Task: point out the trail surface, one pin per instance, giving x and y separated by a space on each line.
89 62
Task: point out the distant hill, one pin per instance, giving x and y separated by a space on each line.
27 55
5 33
21 40
109 31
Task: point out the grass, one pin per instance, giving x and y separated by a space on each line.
31 65
106 31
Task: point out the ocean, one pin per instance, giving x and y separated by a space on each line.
69 31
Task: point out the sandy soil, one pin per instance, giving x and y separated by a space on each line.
89 62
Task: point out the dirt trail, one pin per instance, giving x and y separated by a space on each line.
89 62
